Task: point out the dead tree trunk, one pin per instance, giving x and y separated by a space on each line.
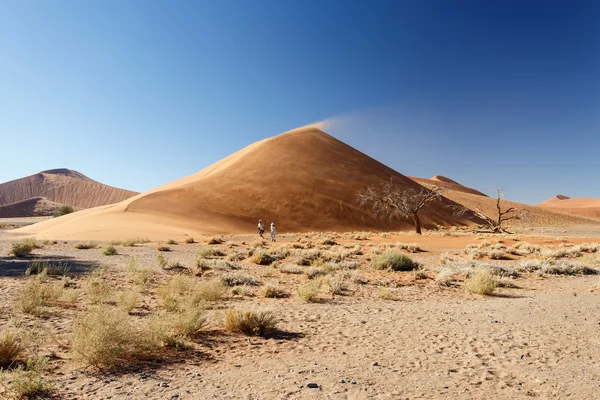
417 222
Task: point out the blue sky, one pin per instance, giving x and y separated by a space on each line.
138 93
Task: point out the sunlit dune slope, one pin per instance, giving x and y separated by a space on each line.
588 207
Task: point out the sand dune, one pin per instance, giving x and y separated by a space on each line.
34 207
539 216
58 186
304 180
587 207
446 183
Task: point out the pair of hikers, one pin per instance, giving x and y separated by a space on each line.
261 230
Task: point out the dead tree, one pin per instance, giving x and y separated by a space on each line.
396 201
501 216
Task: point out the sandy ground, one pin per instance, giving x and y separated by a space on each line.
537 340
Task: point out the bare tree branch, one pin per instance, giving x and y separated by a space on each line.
396 201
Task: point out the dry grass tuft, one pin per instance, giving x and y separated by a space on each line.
86 245
394 260
291 269
106 336
128 301
22 248
27 382
273 292
251 323
309 292
216 240
10 348
481 282
238 278
163 248
109 250
190 241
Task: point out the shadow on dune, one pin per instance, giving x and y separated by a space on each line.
15 267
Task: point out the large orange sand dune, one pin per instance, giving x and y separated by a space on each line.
48 189
304 180
587 207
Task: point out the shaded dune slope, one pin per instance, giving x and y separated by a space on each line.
62 186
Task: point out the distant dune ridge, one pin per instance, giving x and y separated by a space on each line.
303 180
446 183
44 192
588 207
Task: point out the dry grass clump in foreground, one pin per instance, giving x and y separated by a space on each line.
481 282
106 336
182 291
393 260
27 381
37 295
251 323
172 329
273 292
10 348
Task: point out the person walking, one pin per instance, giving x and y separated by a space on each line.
261 228
273 231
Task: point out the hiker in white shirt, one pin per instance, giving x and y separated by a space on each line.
273 231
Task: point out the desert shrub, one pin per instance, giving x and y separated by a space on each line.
348 264
313 273
251 323
589 247
309 292
47 268
36 295
481 282
105 336
530 266
237 279
216 240
163 248
420 274
226 265
236 256
171 241
131 242
501 271
445 277
527 248
329 242
258 243
27 381
506 282
97 288
291 269
410 247
359 279
182 291
262 258
272 291
64 210
337 285
190 240
395 261
171 329
21 248
209 291
127 301
86 245
209 252
161 260
10 348
496 254
567 268
109 250
246 291
386 294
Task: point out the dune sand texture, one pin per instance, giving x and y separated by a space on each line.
59 186
587 207
304 180
446 183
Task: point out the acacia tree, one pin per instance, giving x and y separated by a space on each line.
396 201
501 216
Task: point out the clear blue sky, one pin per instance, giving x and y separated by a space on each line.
138 93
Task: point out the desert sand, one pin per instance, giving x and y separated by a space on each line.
42 193
389 335
587 207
